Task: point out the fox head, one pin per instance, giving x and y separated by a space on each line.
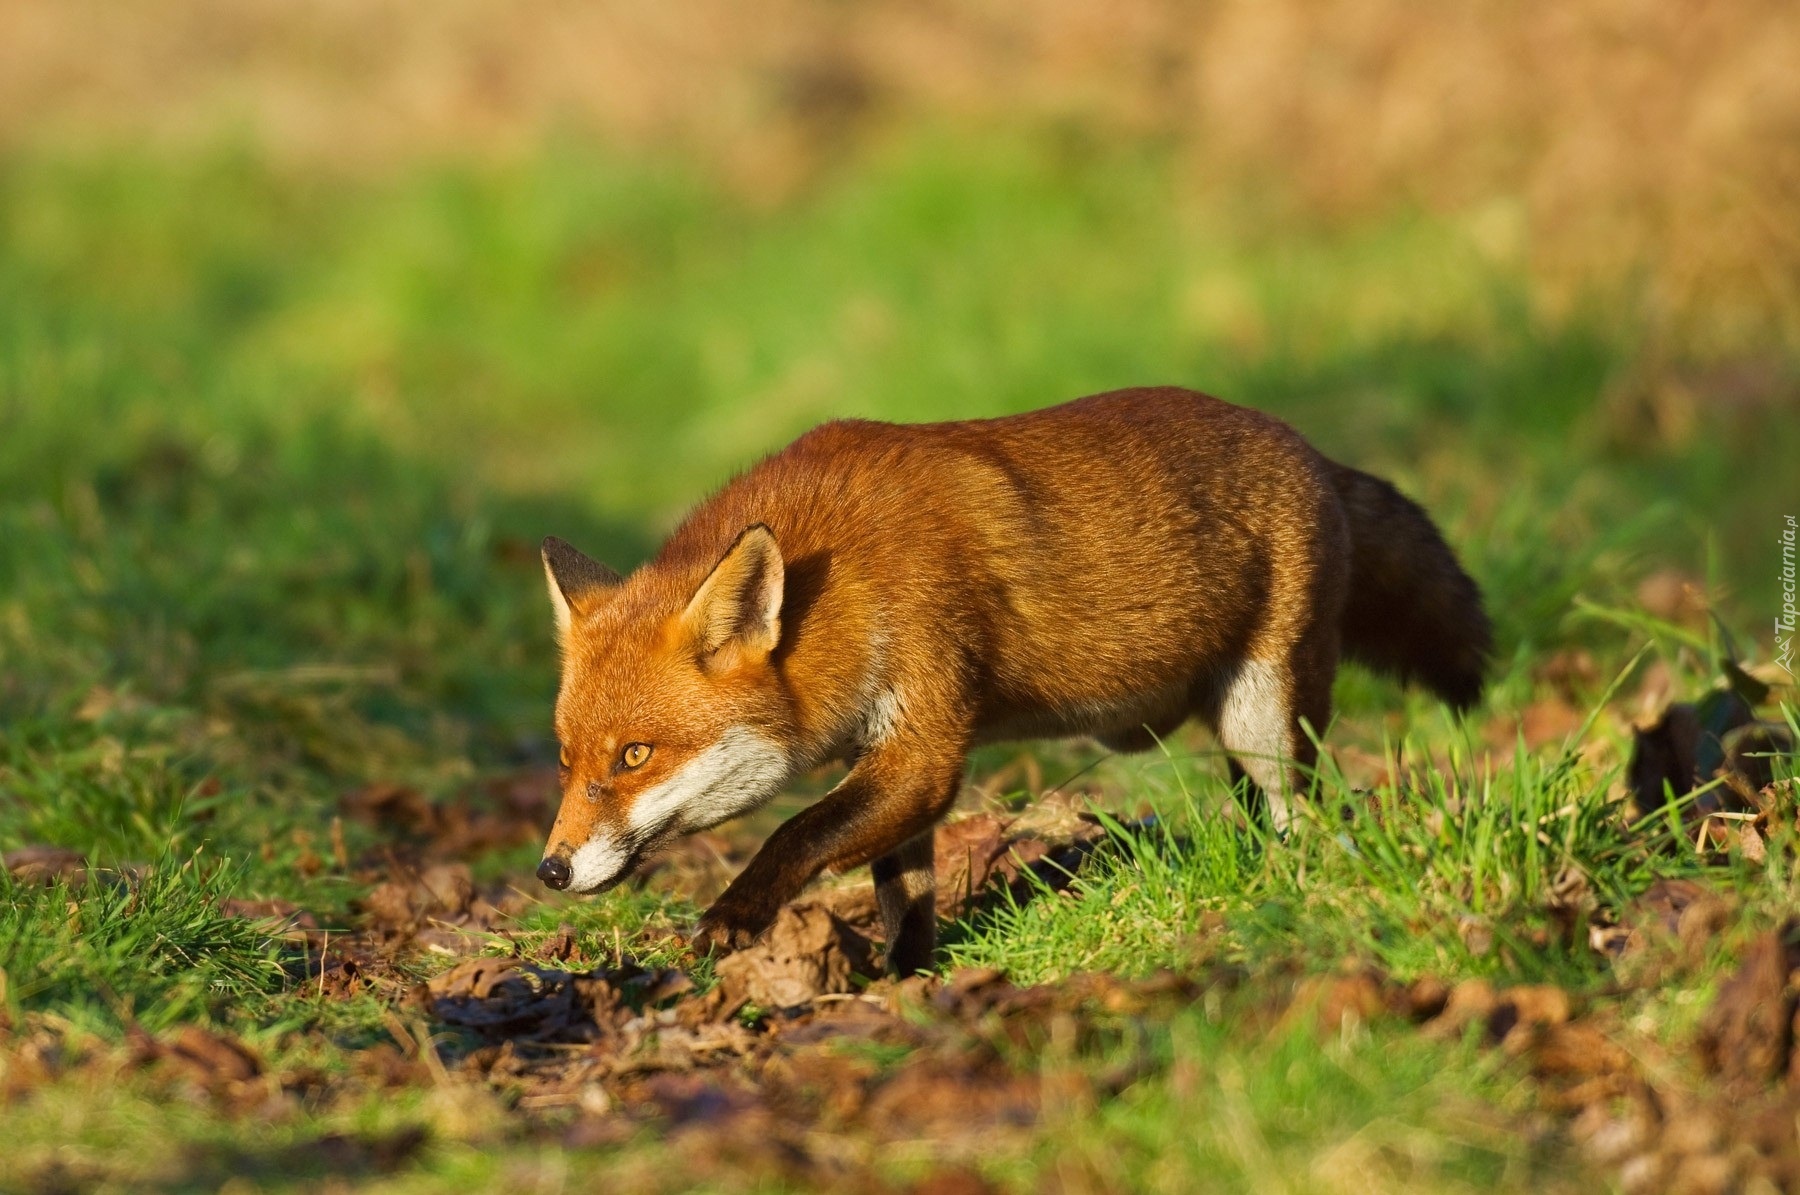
671 715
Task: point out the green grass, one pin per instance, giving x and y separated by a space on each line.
160 943
1361 1111
1451 880
276 450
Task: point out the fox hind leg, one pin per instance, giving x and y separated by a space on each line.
906 891
1255 723
1267 715
1262 722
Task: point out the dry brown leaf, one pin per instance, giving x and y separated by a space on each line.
952 1098
809 951
1471 1001
1521 1010
284 919
1425 998
1341 1001
968 851
405 903
213 1057
1673 596
46 865
1747 1035
500 813
509 999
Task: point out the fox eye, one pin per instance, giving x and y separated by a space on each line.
635 754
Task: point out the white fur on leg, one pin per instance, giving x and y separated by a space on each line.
1255 726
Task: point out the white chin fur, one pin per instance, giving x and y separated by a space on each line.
597 862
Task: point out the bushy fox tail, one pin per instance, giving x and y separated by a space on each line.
1411 610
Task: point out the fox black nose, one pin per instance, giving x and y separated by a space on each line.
554 872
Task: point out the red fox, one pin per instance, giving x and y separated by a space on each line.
893 595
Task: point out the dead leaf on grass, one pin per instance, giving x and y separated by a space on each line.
436 908
1520 1010
968 851
970 992
500 813
214 1057
283 919
698 1099
1476 934
1424 998
978 857
808 952
350 966
216 1063
865 1019
385 1065
854 904
45 865
34 1056
1590 1064
720 1125
1748 1034
952 1098
1673 596
509 998
1689 745
1340 1002
402 904
1545 722
1680 912
1469 1002
562 946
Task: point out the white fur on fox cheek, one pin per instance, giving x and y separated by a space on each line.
735 775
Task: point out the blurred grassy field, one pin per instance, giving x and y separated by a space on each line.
1644 152
280 431
401 378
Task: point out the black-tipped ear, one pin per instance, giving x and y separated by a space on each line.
739 603
576 581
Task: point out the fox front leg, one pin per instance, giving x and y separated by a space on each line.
906 891
890 800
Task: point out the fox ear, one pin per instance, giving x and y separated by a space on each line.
575 579
740 600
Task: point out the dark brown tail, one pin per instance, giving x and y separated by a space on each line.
1412 611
